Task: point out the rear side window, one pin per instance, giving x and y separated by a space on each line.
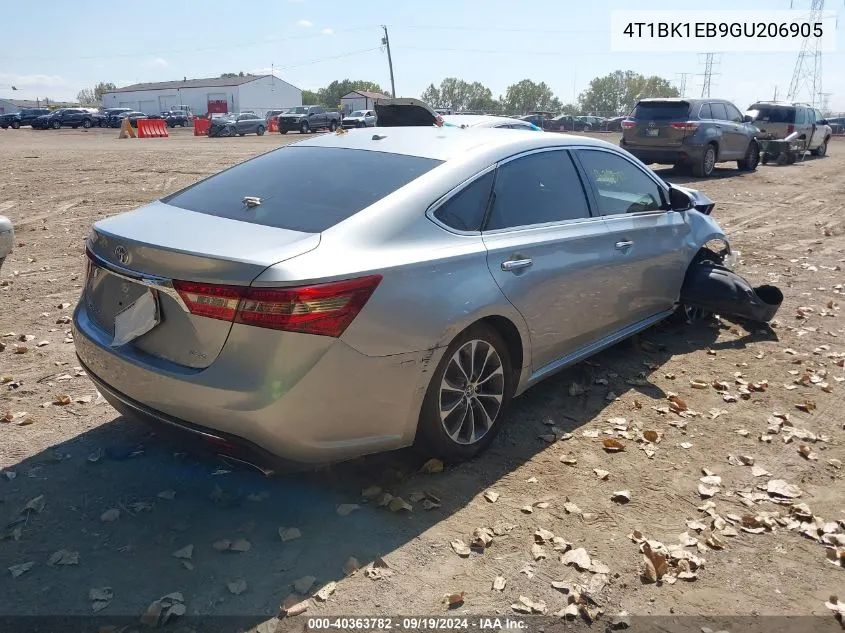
773 114
465 210
307 189
661 110
537 189
705 113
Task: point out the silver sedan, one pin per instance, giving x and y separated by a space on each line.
359 292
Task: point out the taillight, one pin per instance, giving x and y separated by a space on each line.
686 126
210 300
324 309
790 129
627 125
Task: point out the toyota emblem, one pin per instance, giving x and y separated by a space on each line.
122 255
651 123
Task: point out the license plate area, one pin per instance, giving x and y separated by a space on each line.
652 132
108 295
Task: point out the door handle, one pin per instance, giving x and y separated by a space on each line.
624 245
516 264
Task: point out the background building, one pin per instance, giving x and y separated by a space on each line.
10 106
258 93
359 100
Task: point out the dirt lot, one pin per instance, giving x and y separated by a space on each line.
86 464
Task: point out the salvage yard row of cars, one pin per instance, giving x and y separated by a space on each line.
359 292
44 119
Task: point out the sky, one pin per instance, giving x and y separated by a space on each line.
309 43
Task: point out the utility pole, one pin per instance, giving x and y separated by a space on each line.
708 75
682 83
776 94
385 41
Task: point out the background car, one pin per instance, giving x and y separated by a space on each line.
277 314
132 116
113 114
306 119
75 118
359 118
777 120
695 133
7 238
25 117
486 120
568 123
272 114
614 124
237 125
176 118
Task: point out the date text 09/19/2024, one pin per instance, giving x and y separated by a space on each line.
415 624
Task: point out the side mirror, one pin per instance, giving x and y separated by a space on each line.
747 118
679 200
823 122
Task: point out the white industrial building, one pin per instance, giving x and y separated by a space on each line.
360 100
216 95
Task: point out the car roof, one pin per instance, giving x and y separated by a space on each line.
444 143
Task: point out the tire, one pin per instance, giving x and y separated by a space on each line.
332 126
56 125
360 124
282 130
692 315
240 134
16 125
751 159
4 127
764 158
820 151
304 128
86 124
463 440
704 167
260 130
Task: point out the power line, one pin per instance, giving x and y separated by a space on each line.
325 59
496 29
500 51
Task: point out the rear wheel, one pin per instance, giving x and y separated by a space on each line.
282 130
305 128
86 124
703 168
751 159
461 412
260 130
15 125
56 125
820 151
332 126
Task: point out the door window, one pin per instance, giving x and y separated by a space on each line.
719 111
465 210
705 113
620 186
536 189
733 113
800 116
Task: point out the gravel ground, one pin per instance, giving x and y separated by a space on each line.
113 505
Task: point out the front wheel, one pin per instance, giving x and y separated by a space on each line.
86 124
704 167
282 130
304 128
332 126
751 159
16 125
56 125
461 412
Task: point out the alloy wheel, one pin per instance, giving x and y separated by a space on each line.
709 161
471 392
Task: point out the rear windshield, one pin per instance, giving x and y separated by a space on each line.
772 114
658 110
307 189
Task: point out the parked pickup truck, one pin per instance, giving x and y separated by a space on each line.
306 119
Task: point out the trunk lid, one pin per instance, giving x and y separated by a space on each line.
653 121
405 113
146 249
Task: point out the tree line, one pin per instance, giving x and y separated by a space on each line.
612 94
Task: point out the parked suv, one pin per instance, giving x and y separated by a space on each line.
76 117
25 117
691 132
779 120
176 117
